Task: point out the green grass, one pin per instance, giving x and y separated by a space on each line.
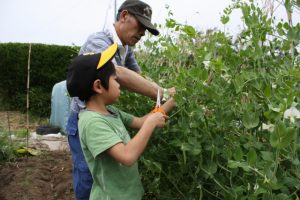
21 133
6 147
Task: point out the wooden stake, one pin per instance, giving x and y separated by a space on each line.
9 132
27 100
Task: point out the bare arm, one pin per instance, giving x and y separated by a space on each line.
134 82
169 105
127 154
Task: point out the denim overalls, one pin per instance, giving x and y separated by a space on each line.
82 178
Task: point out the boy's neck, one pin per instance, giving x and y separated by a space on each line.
96 106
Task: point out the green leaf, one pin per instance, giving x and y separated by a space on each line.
268 91
282 196
296 161
211 167
225 19
157 166
250 119
204 75
287 138
292 35
252 157
275 136
153 166
286 26
280 30
170 23
267 155
291 182
282 136
238 83
208 56
238 154
21 151
195 73
272 115
33 152
189 30
186 147
235 164
294 72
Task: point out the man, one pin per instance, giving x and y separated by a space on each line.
133 19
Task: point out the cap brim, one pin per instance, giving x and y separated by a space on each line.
107 55
149 26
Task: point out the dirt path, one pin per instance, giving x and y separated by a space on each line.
47 176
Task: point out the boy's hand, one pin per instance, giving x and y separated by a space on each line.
158 119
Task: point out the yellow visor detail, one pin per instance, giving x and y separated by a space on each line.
107 55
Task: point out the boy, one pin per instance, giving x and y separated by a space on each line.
110 153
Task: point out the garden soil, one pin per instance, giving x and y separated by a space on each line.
47 176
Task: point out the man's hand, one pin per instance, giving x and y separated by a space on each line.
168 93
172 91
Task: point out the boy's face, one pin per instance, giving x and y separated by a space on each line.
112 94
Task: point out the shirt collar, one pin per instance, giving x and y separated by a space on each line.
115 36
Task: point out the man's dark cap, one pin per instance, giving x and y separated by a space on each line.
142 12
82 72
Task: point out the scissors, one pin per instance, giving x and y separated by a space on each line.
158 108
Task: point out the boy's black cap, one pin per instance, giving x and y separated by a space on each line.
82 71
142 12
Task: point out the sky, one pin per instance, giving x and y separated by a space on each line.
69 22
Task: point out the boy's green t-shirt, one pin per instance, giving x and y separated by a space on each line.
112 180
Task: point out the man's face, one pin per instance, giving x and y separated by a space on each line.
132 30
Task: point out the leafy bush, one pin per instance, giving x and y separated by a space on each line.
231 136
48 64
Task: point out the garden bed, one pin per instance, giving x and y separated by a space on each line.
47 176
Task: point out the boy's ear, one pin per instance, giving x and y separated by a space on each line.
97 87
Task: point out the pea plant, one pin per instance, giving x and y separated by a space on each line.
235 131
